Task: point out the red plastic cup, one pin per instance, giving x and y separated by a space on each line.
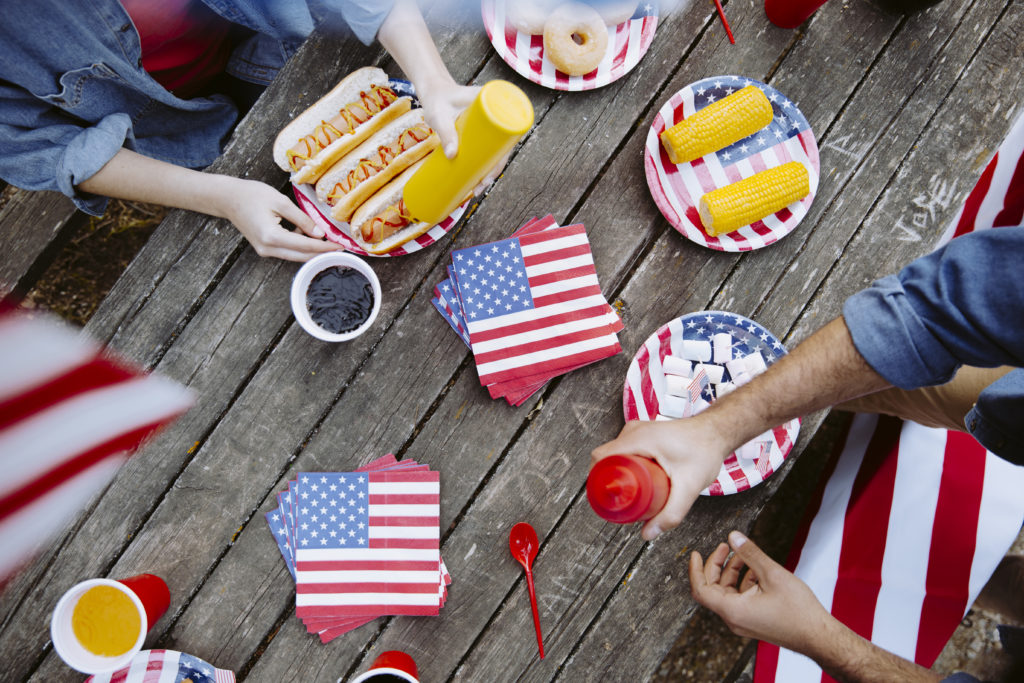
152 592
790 13
627 488
393 666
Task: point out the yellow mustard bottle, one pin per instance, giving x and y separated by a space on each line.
488 129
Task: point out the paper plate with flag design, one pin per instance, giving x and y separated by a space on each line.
677 189
627 44
645 388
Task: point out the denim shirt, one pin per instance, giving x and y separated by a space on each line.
962 304
73 90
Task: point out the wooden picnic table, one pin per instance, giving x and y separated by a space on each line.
906 111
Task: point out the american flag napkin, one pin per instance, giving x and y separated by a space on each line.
530 307
362 544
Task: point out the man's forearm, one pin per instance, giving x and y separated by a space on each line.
823 370
849 658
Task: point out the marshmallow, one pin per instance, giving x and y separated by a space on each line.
677 366
724 388
755 363
722 345
694 349
751 450
663 418
715 373
741 379
677 386
674 406
736 367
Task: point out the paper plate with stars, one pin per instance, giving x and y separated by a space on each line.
677 189
524 52
646 390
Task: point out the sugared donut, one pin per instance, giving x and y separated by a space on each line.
575 39
614 12
529 16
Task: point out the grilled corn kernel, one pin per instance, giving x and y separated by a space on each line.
718 125
751 199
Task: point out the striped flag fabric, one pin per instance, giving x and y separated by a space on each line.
909 522
362 544
627 43
69 418
165 666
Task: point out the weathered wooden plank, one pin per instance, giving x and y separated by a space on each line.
939 166
29 223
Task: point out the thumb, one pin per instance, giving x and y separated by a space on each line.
753 556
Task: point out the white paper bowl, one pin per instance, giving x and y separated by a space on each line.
67 645
303 278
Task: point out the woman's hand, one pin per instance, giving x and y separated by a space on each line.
256 210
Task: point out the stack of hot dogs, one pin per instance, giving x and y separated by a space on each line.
359 144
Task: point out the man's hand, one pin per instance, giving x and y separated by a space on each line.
256 209
769 604
690 454
772 604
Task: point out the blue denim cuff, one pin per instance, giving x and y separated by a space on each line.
890 336
86 154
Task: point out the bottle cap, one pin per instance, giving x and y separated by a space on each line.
620 489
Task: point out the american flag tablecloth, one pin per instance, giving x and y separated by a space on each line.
69 418
677 189
362 544
909 522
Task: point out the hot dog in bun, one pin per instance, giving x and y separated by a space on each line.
368 167
383 223
361 104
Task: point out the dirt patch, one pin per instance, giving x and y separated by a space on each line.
89 264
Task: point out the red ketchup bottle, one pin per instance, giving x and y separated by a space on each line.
627 488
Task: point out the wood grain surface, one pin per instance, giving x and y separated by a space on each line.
906 110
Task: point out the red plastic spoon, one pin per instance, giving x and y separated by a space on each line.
523 543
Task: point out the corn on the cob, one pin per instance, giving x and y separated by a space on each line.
751 199
718 125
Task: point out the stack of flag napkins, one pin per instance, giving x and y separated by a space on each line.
529 307
362 544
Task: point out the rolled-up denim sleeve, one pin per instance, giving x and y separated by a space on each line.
959 305
41 148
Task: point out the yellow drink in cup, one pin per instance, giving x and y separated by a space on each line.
98 626
488 129
106 622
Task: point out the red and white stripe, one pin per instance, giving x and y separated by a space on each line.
910 522
69 417
677 189
627 43
398 573
570 323
305 196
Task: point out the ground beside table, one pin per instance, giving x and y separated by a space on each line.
906 112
